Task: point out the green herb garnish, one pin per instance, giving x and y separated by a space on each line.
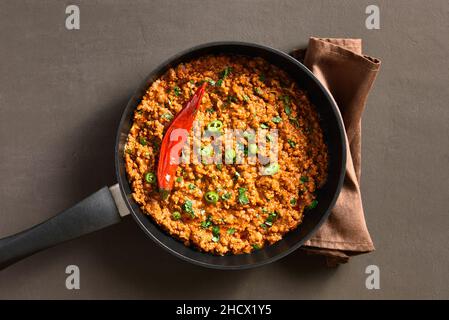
192 186
207 151
167 116
226 71
249 135
177 90
206 223
313 204
304 179
271 217
143 141
276 119
231 98
156 145
294 121
291 143
216 233
243 198
188 208
168 103
286 100
271 169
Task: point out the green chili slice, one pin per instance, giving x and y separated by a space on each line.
226 196
215 126
211 197
150 177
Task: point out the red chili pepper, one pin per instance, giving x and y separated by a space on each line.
173 141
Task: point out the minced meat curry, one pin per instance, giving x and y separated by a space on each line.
234 206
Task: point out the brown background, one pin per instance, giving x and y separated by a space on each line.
62 93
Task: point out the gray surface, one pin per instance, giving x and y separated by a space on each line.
62 92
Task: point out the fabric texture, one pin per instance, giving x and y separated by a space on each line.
348 74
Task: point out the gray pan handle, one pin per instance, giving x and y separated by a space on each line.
101 209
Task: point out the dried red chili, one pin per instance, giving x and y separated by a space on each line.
173 141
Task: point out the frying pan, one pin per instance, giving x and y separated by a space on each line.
108 205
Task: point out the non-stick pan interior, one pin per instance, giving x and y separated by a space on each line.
334 135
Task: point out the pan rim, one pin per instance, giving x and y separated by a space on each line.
341 137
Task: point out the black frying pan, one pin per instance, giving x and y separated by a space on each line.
108 205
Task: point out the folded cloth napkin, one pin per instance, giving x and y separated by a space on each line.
349 75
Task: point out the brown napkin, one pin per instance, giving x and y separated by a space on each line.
348 74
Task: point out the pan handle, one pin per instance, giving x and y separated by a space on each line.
95 212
